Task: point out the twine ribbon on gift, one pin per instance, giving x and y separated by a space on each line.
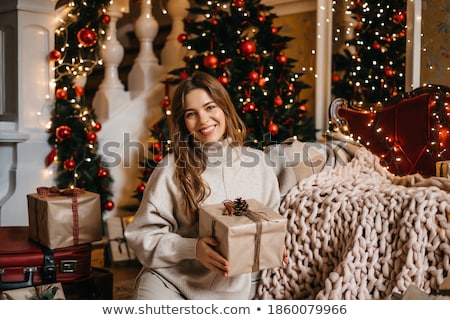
240 207
74 193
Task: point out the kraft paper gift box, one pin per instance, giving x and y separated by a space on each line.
51 291
117 243
443 169
64 218
246 248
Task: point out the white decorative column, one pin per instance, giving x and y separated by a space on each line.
146 70
173 51
111 94
323 63
26 38
413 44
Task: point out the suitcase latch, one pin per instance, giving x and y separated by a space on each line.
68 266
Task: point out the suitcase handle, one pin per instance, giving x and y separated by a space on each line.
28 282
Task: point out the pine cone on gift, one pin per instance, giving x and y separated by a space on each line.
237 207
240 207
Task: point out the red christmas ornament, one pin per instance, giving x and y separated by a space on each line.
102 173
97 126
184 75
291 87
388 72
273 129
281 59
157 157
63 132
262 18
213 21
248 47
303 108
250 106
61 94
239 3
224 80
278 101
261 82
335 77
376 46
165 102
140 188
109 205
182 37
79 91
70 165
87 37
50 157
399 18
274 30
91 137
55 55
156 146
210 61
253 76
105 19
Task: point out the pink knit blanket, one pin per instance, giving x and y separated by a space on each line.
358 232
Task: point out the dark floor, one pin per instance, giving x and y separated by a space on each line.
124 272
124 275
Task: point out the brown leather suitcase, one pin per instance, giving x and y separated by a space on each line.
24 262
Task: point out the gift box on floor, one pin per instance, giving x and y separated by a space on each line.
251 241
118 246
51 291
64 218
443 169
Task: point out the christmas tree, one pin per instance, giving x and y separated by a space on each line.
371 67
73 126
238 43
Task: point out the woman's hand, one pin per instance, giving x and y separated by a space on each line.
210 258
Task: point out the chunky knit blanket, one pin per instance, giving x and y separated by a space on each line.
359 232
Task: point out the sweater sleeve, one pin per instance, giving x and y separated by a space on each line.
154 232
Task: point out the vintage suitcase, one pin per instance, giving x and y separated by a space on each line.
24 262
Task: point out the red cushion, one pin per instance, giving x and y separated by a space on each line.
407 135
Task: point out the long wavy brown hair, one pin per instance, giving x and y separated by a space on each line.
190 159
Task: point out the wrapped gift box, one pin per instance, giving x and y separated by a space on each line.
64 219
250 242
117 243
51 291
443 169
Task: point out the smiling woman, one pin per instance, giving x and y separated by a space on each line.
208 166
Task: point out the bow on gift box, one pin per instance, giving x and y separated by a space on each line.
54 191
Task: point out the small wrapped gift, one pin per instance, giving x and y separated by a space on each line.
443 169
51 291
64 218
250 235
117 243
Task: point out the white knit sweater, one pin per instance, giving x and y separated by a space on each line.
165 242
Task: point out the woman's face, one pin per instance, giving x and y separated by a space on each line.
204 119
